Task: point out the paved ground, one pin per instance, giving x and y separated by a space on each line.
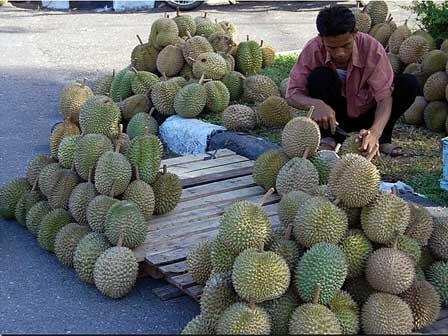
41 51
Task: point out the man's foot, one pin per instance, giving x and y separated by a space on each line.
391 150
327 143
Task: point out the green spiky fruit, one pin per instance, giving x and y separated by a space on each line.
435 116
195 46
438 243
297 174
268 55
416 70
325 264
46 177
437 275
426 258
218 96
434 61
185 24
300 134
377 11
35 166
144 56
102 85
427 36
190 100
170 60
164 32
222 258
67 149
34 217
414 114
413 49
280 310
409 246
435 85
163 95
258 88
89 248
234 83
115 272
289 204
167 190
275 112
50 226
386 314
249 58
396 268
65 180
313 318
73 96
240 319
359 289
350 145
209 64
197 326
424 302
244 225
323 168
25 203
96 211
89 149
124 219
319 220
239 118
205 27
143 82
260 276
346 311
139 122
398 36
141 193
100 115
386 216
62 130
357 249
113 174
199 262
120 88
287 249
79 199
135 104
66 242
267 166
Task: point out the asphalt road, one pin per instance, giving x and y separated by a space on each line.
40 52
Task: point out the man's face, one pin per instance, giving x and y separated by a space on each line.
339 47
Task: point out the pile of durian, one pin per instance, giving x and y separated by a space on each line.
414 53
346 257
90 201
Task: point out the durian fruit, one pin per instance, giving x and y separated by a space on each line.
234 83
382 31
50 226
444 46
421 224
170 60
362 19
34 217
350 145
35 166
289 250
229 28
199 262
239 117
163 94
297 174
416 70
413 49
140 122
318 220
385 217
258 88
249 57
245 225
268 54
167 189
267 167
134 104
435 115
289 205
435 85
65 180
221 42
120 87
395 62
67 240
125 221
164 32
197 326
204 26
143 82
96 211
73 96
410 246
102 85
424 302
300 135
218 294
187 72
194 46
323 168
359 289
115 272
62 130
396 270
275 112
80 198
377 11
322 264
209 64
121 141
26 202
355 181
141 193
145 153
185 24
144 56
89 248
314 318
414 114
222 258
46 178
357 249
190 100
66 151
427 36
242 319
346 311
218 96
386 314
100 115
280 310
284 87
426 258
434 61
437 275
89 149
260 275
438 243
398 36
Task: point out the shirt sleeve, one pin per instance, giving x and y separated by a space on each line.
298 76
382 75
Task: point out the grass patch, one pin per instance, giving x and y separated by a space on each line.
281 68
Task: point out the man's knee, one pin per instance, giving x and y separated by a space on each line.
320 80
407 85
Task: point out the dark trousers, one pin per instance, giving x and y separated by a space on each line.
324 83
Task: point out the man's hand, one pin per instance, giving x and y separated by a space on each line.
325 117
369 140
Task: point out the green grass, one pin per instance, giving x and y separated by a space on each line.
281 68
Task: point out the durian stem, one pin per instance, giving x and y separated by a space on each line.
372 153
113 73
201 80
84 82
395 243
177 11
242 77
191 59
139 39
205 15
306 152
134 69
310 112
216 21
120 129
164 76
189 35
288 232
73 166
137 173
89 178
151 111
117 148
164 169
337 148
261 43
120 241
269 193
337 201
247 37
112 190
316 294
252 305
146 131
35 184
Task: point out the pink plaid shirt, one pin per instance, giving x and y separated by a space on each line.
369 73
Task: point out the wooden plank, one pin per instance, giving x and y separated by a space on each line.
195 292
176 268
181 281
205 165
219 169
437 328
217 176
168 292
196 157
443 314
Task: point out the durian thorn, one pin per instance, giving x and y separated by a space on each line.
306 152
89 178
261 43
288 232
337 201
177 11
372 153
310 112
164 169
134 69
151 111
139 39
137 173
265 197
35 184
316 294
84 82
117 148
146 131
252 305
202 79
337 148
120 241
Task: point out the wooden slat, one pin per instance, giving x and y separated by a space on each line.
196 157
205 165
443 314
176 268
437 328
168 292
181 281
195 292
219 169
217 176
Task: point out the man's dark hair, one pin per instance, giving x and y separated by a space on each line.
335 20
